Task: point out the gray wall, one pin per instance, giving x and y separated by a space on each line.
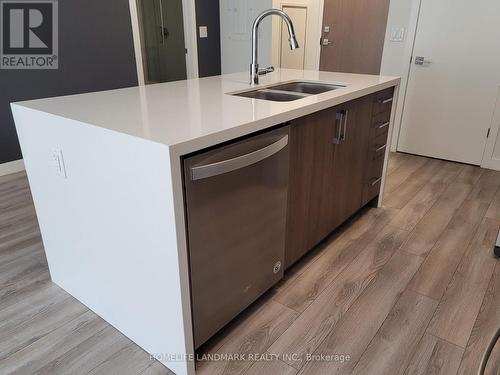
95 53
209 58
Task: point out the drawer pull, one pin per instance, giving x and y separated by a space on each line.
385 101
384 125
375 181
380 148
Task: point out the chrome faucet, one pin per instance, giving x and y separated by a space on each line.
254 67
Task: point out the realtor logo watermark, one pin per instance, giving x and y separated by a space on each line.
29 34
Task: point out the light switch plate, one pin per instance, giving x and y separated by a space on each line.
57 163
397 34
203 32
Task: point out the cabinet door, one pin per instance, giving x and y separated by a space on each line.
310 194
350 160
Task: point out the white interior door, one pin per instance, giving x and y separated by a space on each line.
451 96
294 59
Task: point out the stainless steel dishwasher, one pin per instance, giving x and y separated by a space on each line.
236 214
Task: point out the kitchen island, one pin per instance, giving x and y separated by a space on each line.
106 173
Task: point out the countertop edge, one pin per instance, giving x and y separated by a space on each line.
183 148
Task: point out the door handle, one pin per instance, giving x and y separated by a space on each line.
380 148
164 33
375 181
420 60
229 165
385 124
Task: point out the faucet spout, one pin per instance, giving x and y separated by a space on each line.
254 66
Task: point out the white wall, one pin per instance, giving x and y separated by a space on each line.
236 18
313 31
397 54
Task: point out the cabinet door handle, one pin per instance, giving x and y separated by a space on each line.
385 101
375 181
383 125
344 135
380 148
339 121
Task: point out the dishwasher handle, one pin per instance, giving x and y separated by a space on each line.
229 165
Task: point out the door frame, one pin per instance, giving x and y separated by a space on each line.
405 72
489 161
189 18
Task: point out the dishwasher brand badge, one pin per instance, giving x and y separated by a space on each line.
29 34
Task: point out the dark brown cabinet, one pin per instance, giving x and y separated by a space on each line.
310 194
350 161
336 160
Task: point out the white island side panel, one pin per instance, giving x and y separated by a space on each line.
109 228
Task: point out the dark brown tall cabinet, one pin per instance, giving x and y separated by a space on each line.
350 161
331 170
310 193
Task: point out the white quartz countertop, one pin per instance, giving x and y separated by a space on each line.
193 114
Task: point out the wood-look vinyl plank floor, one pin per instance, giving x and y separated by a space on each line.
410 289
355 330
494 208
395 161
394 344
274 367
486 187
316 322
485 325
460 304
304 290
398 198
129 359
440 264
435 357
258 329
157 369
428 230
405 169
409 216
470 175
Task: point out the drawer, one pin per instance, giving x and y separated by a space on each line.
378 146
371 191
380 124
383 101
373 179
374 170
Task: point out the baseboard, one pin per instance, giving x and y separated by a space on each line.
11 167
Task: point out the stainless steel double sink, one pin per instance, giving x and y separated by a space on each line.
286 92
